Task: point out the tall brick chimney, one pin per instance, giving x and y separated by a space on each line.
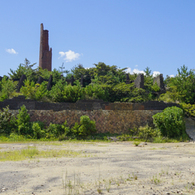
45 53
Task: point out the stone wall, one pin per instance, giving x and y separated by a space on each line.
85 105
113 121
109 117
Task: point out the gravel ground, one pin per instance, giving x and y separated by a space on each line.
103 168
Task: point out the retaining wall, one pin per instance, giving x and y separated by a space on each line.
109 117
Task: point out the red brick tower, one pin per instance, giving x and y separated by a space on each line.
45 53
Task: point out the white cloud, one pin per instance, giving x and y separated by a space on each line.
136 65
69 56
11 51
128 70
171 75
155 73
138 71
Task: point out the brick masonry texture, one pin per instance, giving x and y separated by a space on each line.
109 117
45 53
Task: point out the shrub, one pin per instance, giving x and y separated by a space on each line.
85 128
147 132
34 91
37 131
170 122
189 109
95 91
23 121
54 131
72 93
62 92
144 132
66 129
7 121
7 88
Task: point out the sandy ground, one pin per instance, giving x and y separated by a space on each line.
103 168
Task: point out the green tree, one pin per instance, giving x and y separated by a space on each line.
25 68
34 91
95 91
62 92
181 87
7 88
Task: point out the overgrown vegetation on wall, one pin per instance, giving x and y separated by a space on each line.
100 82
19 126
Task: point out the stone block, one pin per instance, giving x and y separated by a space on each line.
139 81
21 82
40 80
127 79
49 85
159 80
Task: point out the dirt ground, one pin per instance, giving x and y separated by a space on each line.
103 168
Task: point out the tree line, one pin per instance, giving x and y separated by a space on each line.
100 82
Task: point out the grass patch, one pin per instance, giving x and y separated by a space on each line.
101 137
33 152
155 180
14 138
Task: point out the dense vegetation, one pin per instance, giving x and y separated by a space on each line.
100 82
20 125
169 127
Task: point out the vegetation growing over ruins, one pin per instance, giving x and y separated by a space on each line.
19 128
100 82
105 82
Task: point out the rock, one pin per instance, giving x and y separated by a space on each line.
142 144
113 138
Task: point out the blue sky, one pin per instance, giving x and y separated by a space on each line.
159 34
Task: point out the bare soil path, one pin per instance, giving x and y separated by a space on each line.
103 168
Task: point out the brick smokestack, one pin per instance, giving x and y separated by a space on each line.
45 53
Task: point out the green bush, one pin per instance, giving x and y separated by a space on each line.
144 132
7 88
37 131
34 91
147 132
85 128
54 130
7 121
95 91
189 109
23 122
62 92
170 122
